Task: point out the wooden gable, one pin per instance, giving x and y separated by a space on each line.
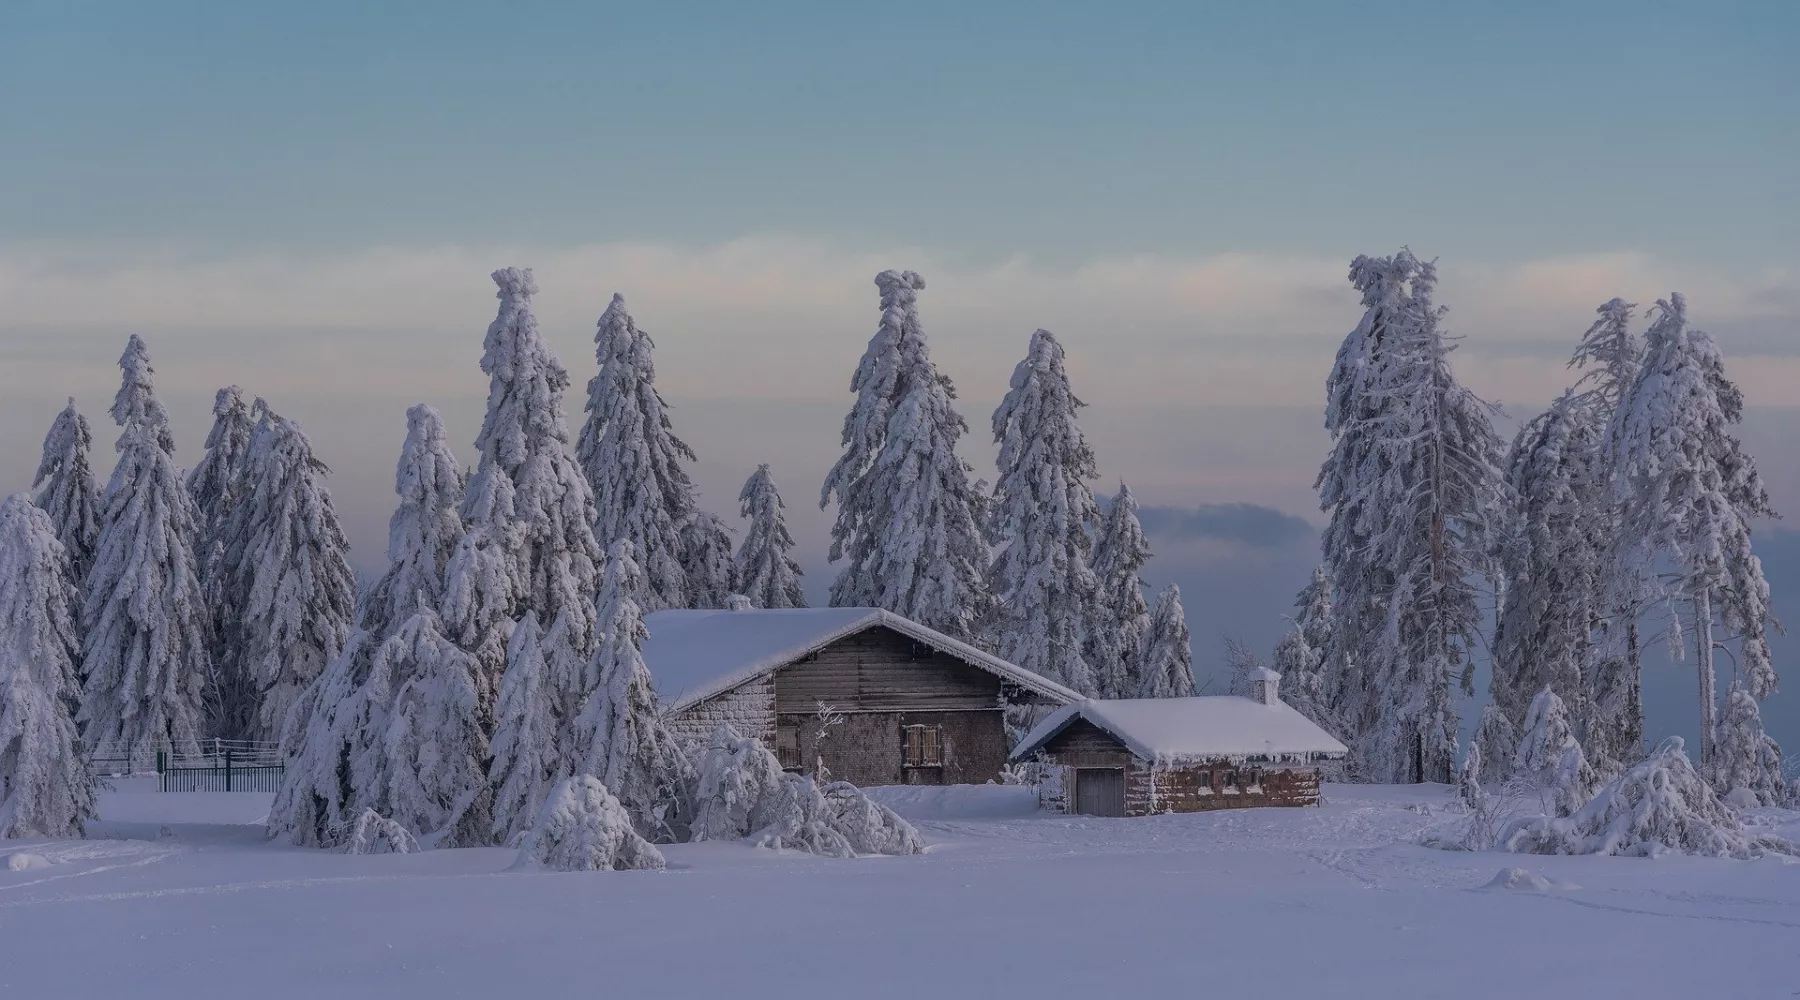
881 670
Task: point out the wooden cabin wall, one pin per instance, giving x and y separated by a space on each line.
1186 788
880 670
866 748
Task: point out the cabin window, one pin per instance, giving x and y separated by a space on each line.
1228 782
924 746
1253 781
787 747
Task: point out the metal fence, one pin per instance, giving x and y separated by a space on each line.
225 773
208 766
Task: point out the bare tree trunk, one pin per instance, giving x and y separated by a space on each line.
1708 685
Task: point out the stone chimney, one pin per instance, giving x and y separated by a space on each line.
1266 684
737 602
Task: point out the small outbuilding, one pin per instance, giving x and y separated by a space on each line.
1139 757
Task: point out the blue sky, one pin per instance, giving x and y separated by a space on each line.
306 200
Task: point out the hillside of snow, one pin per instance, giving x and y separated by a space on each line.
180 896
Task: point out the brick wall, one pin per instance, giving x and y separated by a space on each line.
749 709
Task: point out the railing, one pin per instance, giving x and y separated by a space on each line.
211 765
225 773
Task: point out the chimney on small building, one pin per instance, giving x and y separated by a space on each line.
737 602
1267 686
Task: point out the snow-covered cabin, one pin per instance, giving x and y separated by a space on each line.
1137 757
873 697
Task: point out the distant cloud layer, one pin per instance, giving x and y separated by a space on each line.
1251 524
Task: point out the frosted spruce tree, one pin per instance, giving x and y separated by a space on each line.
227 450
436 747
1612 357
144 653
424 529
1746 767
1300 654
527 760
765 572
525 438
1121 618
1042 579
45 790
907 516
1690 491
619 736
707 561
1167 661
1553 561
288 559
1412 487
334 749
635 463
65 485
482 587
1497 740
1550 759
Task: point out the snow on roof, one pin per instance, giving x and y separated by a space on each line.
694 655
1176 730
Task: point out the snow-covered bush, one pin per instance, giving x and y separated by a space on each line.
1746 765
1498 742
869 826
1551 760
737 775
1659 806
743 794
376 834
582 828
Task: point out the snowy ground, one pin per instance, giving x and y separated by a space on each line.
179 896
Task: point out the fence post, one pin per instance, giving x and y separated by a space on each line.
228 769
162 777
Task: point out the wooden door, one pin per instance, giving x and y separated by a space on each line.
1100 791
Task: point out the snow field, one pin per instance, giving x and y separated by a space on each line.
1006 902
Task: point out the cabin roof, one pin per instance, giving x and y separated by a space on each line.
695 655
1176 730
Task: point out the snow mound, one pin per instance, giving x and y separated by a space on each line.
376 834
1520 880
583 828
23 861
745 795
1659 806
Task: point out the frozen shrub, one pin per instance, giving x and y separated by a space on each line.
737 775
1659 806
583 828
376 834
871 827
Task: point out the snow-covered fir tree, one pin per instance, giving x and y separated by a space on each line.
707 561
45 790
907 516
1690 492
584 828
1412 487
289 562
66 491
1612 357
525 438
766 573
1550 758
1553 562
635 463
1044 516
527 761
144 653
1746 767
424 529
1497 740
436 748
619 736
482 587
227 449
1300 654
334 749
1121 617
1167 661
